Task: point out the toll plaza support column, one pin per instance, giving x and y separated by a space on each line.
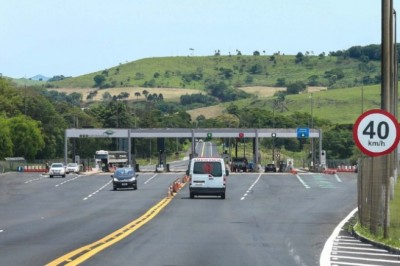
256 153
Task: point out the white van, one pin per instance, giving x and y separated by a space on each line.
207 177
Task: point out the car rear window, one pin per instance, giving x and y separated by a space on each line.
213 168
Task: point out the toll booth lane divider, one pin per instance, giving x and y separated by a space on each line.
177 185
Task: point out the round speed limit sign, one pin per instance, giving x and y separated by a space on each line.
376 132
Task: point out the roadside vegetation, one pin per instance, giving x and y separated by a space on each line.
138 94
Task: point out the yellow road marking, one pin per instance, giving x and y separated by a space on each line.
79 255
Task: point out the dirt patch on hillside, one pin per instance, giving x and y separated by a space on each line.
316 89
262 91
169 94
208 112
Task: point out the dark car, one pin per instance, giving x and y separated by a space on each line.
124 177
239 164
270 168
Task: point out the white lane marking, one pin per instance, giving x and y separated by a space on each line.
338 178
302 181
66 181
100 189
366 253
365 259
148 180
250 188
35 179
1 231
326 252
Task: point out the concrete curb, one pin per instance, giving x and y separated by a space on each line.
375 244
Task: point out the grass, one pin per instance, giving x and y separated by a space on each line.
340 106
394 228
168 71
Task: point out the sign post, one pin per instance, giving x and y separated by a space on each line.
376 132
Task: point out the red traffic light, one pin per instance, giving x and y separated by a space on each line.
241 135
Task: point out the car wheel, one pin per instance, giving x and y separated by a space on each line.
63 176
51 176
114 188
135 187
223 196
191 195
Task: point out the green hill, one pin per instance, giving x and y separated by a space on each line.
236 70
340 106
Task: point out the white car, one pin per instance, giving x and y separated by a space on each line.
57 169
72 168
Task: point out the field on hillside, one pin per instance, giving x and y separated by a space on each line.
169 94
340 106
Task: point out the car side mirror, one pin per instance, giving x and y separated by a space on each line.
112 176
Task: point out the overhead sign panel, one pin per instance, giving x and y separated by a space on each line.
303 132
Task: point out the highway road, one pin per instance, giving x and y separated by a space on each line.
266 219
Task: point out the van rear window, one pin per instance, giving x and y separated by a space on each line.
213 168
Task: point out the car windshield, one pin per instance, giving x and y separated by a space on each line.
57 165
72 165
123 172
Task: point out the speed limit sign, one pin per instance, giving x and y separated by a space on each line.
376 132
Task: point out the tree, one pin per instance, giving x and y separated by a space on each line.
256 69
99 80
295 88
233 109
281 82
6 145
299 57
26 136
107 96
137 94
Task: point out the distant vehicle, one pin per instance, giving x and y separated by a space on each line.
270 168
72 168
239 164
124 177
207 177
57 169
109 159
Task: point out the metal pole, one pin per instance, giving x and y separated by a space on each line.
65 148
130 149
386 70
312 139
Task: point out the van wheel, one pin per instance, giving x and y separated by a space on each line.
223 196
191 195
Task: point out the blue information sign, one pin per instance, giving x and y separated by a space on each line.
303 132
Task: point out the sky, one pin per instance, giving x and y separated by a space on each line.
78 37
